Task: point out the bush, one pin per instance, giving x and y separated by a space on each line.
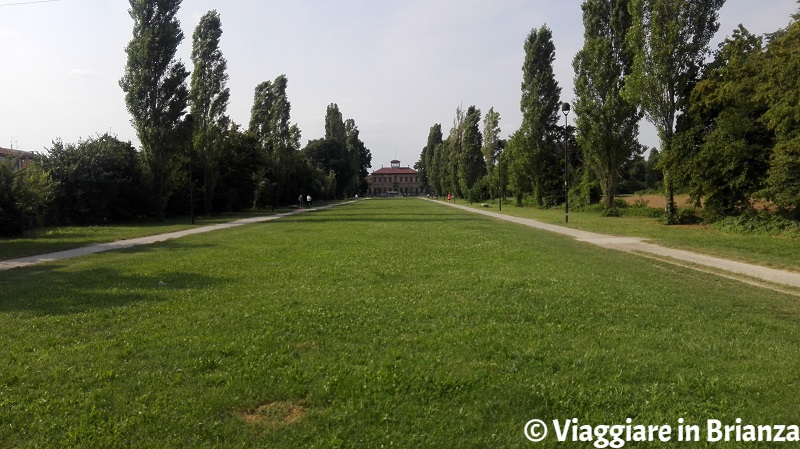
24 198
688 217
763 223
99 180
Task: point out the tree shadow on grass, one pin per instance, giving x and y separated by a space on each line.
57 288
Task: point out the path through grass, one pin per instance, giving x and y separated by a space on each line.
395 323
779 251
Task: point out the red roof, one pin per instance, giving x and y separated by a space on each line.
395 171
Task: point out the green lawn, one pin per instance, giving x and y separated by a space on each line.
774 251
385 323
46 240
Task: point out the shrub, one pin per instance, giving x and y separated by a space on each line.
24 198
762 222
688 217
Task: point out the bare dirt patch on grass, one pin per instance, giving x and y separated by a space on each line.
275 414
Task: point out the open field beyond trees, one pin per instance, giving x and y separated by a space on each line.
385 323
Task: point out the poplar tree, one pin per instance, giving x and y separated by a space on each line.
470 163
669 40
334 125
540 106
209 98
491 142
607 124
155 92
278 139
433 146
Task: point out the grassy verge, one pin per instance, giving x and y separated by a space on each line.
386 323
46 240
775 251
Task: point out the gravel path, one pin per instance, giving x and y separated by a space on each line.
103 247
737 270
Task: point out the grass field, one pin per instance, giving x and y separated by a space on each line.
46 240
385 323
779 251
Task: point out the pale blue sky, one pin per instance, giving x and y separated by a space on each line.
396 67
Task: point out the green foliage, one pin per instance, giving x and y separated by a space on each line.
25 197
156 94
471 166
669 40
728 147
492 144
537 152
329 156
360 158
98 180
209 96
780 90
334 125
759 223
270 124
428 166
607 123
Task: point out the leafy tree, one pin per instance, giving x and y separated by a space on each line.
96 181
607 123
430 171
25 197
540 106
450 163
491 142
331 157
441 160
518 166
359 155
654 177
240 158
669 40
209 97
729 147
155 92
278 139
780 89
334 125
471 166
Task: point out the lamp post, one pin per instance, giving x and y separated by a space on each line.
565 110
190 126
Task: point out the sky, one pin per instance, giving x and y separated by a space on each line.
395 67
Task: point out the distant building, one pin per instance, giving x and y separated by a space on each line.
394 181
20 159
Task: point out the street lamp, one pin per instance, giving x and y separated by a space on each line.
565 110
190 126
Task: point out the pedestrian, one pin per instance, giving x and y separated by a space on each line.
308 200
448 197
300 201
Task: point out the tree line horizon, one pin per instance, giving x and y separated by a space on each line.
728 129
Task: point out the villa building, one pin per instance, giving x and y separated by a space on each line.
394 181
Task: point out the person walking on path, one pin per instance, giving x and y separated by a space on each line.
308 200
300 201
